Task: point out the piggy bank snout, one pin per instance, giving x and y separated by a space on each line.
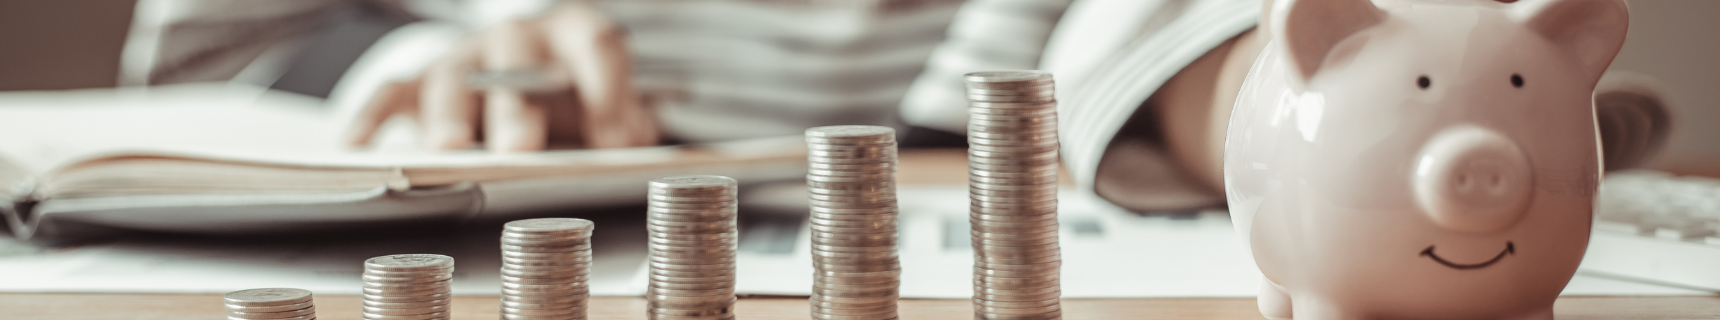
1471 179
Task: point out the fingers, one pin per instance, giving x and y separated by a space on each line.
389 100
512 123
449 106
594 51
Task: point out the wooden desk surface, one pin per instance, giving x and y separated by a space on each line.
920 167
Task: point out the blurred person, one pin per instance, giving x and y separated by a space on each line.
641 72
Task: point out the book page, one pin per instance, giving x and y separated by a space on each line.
202 137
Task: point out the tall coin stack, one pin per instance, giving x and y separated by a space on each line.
270 304
407 287
851 179
691 220
1012 184
545 268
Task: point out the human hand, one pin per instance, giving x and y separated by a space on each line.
573 42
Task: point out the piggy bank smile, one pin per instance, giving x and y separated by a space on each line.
1510 248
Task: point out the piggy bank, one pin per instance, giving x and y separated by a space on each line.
1420 159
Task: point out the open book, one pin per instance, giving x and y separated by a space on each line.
219 159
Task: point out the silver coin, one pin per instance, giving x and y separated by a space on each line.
693 274
267 297
310 311
565 298
1057 315
1016 304
550 226
870 299
851 132
655 301
859 238
409 262
543 312
691 267
404 299
855 280
667 258
546 243
881 222
410 286
303 317
859 244
692 292
405 293
274 308
1010 98
1022 85
565 288
827 265
407 305
818 303
850 317
840 249
1008 76
427 316
1038 90
570 260
707 182
554 256
690 208
857 312
672 277
548 279
854 199
577 305
405 311
849 290
1018 311
546 249
1004 283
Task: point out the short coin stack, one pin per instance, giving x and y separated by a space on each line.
851 180
545 268
691 220
407 287
270 304
1012 184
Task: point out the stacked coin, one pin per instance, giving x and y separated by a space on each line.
545 266
1012 185
691 220
851 179
270 304
407 287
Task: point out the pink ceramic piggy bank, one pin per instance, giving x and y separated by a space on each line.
1420 159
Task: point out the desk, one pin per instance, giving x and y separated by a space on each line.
918 167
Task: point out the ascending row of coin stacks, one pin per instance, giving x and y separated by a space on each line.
851 180
270 304
691 223
407 287
1012 185
545 268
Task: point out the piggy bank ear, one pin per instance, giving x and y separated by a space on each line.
1592 30
1309 29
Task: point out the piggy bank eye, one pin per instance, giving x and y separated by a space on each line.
1516 80
1423 82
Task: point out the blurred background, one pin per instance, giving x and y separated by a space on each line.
73 44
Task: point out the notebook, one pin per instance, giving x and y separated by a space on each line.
225 159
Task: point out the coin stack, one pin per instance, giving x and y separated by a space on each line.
1012 185
407 287
851 180
691 221
545 268
270 304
